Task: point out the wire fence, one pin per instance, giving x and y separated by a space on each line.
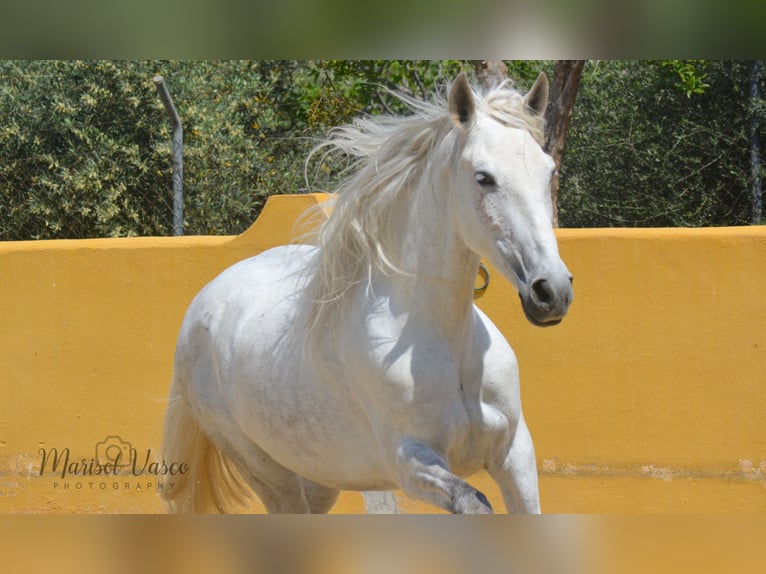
87 150
79 158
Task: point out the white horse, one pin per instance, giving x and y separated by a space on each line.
361 363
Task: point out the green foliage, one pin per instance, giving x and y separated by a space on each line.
643 151
245 128
690 75
345 88
78 151
341 89
85 147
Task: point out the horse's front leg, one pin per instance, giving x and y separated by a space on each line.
425 475
514 469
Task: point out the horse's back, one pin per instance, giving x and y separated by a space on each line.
279 271
273 274
261 293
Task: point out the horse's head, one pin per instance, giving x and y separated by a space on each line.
501 193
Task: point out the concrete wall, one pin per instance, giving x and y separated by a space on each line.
649 397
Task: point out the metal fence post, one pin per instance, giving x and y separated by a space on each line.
178 153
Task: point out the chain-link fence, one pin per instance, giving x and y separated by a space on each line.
84 153
86 148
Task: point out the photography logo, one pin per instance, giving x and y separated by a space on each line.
117 464
114 451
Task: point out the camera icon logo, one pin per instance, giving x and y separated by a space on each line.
113 450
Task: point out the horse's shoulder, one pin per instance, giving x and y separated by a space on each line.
499 367
487 336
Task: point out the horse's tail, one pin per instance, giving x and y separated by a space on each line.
209 483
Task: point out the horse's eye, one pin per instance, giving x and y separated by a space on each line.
484 179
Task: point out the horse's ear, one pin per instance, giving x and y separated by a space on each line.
461 106
537 97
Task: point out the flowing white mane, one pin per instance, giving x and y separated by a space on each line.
392 157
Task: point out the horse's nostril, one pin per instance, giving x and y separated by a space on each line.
543 291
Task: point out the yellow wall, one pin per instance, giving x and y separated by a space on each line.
649 397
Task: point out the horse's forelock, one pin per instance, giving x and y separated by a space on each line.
508 108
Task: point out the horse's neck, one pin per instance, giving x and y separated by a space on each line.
442 270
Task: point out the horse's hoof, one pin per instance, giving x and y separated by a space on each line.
473 503
484 501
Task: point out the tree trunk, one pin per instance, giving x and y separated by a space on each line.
563 92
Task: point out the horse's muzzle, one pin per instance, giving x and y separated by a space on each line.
546 301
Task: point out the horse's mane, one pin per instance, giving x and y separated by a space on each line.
390 157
